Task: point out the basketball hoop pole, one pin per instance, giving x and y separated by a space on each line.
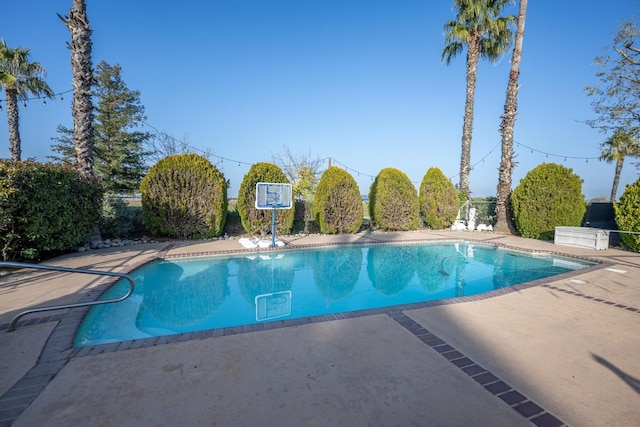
273 227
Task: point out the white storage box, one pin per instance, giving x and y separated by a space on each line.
583 237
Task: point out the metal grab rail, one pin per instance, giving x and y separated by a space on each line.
132 286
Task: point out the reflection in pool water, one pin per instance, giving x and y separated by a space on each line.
206 293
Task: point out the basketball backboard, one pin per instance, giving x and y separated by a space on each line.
271 195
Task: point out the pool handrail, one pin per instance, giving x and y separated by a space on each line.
12 325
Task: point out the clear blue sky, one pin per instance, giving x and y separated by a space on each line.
359 81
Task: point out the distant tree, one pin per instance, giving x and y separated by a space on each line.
503 213
616 96
20 79
119 148
163 145
480 28
64 147
302 170
615 149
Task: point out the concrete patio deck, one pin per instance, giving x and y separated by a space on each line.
563 351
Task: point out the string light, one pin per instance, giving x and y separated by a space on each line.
559 156
359 173
240 163
44 98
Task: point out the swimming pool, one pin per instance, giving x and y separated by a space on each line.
186 295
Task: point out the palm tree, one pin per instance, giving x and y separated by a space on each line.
81 65
20 79
503 221
487 35
620 145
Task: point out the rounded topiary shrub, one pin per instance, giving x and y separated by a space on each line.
337 202
627 215
259 220
393 201
549 195
438 200
184 196
45 209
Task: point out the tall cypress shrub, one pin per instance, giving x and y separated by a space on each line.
259 220
184 196
438 200
627 215
549 195
337 202
393 201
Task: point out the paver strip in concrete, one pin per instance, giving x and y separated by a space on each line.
574 356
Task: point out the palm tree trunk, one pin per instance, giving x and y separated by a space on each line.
82 67
467 125
503 212
14 128
616 178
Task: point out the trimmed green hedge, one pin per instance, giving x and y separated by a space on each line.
338 203
393 201
438 200
259 220
45 209
549 195
627 215
184 196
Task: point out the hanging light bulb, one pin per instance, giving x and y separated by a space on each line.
44 102
0 107
25 104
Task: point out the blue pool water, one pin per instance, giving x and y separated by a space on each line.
186 295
